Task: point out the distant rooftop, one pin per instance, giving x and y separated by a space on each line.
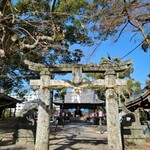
83 97
7 101
139 99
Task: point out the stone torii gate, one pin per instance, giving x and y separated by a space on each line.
110 82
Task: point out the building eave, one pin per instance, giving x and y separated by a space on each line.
7 101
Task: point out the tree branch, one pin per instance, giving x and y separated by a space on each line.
121 32
143 33
52 5
138 26
2 53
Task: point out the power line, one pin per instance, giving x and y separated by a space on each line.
93 51
131 51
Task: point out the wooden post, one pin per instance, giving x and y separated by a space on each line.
113 126
43 123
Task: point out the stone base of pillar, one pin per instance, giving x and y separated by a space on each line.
25 135
133 134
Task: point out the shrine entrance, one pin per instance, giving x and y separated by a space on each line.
110 82
84 108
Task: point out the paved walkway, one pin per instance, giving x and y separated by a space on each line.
79 136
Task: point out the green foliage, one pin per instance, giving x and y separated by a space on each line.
148 81
126 73
143 116
52 112
24 6
6 113
121 75
71 6
145 45
73 35
33 30
60 93
95 75
133 86
124 92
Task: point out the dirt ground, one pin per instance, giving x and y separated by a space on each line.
30 146
145 146
6 141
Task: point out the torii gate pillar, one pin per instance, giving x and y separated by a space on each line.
113 125
42 134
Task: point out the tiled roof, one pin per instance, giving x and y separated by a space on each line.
7 101
84 97
139 97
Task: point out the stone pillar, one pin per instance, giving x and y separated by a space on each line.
43 123
137 135
113 125
76 74
137 117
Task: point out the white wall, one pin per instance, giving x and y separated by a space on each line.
30 96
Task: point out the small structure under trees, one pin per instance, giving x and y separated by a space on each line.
7 102
137 108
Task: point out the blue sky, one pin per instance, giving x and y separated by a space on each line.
140 59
